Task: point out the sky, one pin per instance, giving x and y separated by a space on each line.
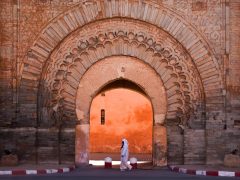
128 114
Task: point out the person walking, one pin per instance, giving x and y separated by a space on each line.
124 156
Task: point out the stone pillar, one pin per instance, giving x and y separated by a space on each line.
81 145
159 145
175 145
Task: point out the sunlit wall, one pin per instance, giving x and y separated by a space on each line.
128 114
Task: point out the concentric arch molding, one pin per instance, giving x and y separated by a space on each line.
84 13
100 40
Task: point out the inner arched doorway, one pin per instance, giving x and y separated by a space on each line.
121 110
121 69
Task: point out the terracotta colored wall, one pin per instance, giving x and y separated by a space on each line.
128 115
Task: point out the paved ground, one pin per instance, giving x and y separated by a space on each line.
210 167
96 173
144 171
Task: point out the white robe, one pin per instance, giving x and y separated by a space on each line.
124 156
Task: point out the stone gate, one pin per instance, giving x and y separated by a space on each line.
182 55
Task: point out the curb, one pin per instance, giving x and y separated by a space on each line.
38 171
204 172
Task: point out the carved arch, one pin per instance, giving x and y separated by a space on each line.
79 52
151 13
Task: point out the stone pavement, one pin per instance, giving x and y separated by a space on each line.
205 170
28 169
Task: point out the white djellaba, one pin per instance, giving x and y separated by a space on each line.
124 156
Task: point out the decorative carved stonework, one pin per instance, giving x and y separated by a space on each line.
66 69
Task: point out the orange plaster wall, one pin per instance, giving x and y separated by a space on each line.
127 114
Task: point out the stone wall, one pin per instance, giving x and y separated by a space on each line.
194 146
7 62
175 145
233 76
55 146
215 126
20 141
222 128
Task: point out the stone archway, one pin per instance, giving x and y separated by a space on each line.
81 50
132 69
152 13
76 40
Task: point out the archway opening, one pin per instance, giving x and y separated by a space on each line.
120 72
120 110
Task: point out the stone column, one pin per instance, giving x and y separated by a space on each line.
159 145
82 143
